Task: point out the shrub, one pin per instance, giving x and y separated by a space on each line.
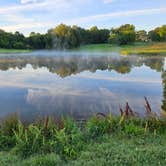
8 125
69 140
132 129
6 142
30 141
96 127
155 124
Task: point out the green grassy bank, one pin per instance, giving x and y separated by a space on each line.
106 151
100 141
149 48
156 48
13 51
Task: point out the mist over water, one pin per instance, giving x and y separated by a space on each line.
79 84
55 52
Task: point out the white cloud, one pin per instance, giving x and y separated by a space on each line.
28 1
14 18
26 5
130 13
20 8
28 25
108 1
22 23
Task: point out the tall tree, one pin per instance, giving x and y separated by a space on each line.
123 35
64 37
141 36
158 34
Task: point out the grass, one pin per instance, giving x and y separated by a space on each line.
13 51
101 140
149 48
107 150
124 151
136 48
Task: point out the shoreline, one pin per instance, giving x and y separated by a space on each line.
138 48
66 142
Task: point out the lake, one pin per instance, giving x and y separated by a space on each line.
79 84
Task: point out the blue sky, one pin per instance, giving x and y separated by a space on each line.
40 15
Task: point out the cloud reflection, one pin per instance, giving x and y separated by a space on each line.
80 86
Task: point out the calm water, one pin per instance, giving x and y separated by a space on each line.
79 84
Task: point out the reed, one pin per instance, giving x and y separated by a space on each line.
67 138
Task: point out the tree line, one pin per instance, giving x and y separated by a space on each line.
66 37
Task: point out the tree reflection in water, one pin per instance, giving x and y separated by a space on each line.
65 66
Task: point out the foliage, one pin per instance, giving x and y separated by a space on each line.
67 37
7 128
33 139
158 34
141 36
37 41
28 141
123 35
115 150
67 141
9 40
96 127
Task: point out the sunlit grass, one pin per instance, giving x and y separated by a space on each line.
123 140
136 48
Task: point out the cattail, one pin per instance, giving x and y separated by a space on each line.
46 122
147 106
127 109
121 110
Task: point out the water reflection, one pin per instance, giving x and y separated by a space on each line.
68 65
80 85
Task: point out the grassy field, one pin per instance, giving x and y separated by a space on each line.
13 51
153 48
105 151
137 48
102 140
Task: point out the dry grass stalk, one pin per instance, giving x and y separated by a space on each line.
46 122
128 112
100 115
147 106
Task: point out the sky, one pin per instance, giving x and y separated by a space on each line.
26 16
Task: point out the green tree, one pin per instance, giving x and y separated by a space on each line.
37 41
64 37
141 36
158 34
98 35
10 40
123 35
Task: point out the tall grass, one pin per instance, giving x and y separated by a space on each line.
67 139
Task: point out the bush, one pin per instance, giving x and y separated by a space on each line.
155 124
131 129
30 141
97 127
69 140
7 128
9 125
